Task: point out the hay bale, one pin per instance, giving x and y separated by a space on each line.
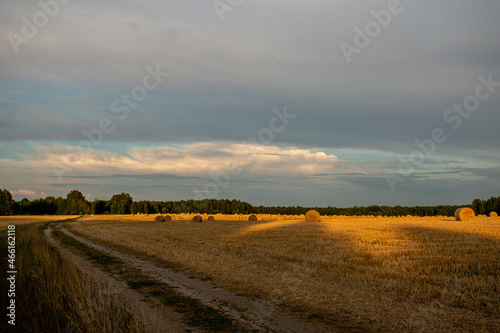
197 218
313 216
168 218
211 219
160 218
280 218
464 214
252 218
493 214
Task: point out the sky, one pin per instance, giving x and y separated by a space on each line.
312 103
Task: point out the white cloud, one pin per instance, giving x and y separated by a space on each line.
197 159
29 194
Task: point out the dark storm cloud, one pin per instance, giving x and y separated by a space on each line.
227 76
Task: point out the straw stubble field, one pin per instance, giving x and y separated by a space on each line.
359 274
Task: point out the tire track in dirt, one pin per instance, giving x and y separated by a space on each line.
157 318
255 315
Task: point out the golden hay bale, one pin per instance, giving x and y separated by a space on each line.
160 218
464 214
493 214
168 218
211 219
313 216
252 218
280 218
197 218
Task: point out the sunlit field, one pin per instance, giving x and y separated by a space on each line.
412 274
16 220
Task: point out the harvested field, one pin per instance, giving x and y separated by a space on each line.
19 220
357 274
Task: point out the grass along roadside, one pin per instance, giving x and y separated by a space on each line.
195 313
52 295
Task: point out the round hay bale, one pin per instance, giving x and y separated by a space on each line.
493 214
197 218
313 216
280 218
252 218
160 218
464 214
168 218
211 219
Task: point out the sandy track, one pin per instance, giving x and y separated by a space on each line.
253 315
156 317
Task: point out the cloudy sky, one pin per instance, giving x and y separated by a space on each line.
309 103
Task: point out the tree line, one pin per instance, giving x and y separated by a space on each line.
75 203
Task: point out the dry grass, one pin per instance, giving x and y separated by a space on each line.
52 295
366 274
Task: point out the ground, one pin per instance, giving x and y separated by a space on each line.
341 274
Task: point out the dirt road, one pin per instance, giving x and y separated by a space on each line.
253 315
155 317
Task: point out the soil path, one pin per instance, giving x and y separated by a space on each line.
157 318
255 315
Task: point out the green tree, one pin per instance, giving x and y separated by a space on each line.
6 203
98 206
479 206
493 205
145 207
76 203
134 208
120 203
